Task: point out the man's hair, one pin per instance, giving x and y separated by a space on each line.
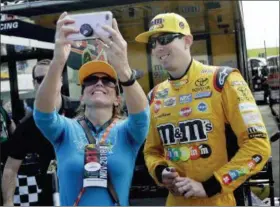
41 62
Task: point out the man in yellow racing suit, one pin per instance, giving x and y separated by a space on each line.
205 124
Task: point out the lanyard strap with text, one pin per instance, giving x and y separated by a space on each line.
92 140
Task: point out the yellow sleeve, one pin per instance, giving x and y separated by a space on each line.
154 151
245 119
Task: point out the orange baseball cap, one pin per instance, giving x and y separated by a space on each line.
96 66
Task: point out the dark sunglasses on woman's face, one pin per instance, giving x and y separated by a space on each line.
39 79
106 81
163 39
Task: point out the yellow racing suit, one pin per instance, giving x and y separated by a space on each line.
207 126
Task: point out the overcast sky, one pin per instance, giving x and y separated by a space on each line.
261 19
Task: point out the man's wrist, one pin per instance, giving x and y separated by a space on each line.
212 186
159 169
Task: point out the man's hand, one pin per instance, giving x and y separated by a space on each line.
8 204
189 188
168 178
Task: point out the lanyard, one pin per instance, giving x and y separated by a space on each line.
79 197
107 131
91 140
112 192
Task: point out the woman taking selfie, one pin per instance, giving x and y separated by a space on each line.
96 153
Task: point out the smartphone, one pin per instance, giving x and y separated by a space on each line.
89 25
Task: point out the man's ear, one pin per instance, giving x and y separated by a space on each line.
188 41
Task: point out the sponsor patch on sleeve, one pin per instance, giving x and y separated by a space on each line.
244 94
238 83
251 118
234 174
257 131
247 106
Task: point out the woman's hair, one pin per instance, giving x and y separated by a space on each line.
118 111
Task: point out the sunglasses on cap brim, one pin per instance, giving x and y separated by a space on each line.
163 39
106 81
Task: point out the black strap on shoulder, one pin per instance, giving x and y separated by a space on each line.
220 77
91 139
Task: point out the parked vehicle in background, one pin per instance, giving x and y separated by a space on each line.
273 81
273 78
258 70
